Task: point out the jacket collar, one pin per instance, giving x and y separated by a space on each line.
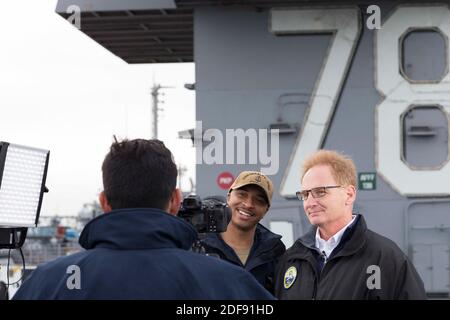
142 228
264 238
355 232
266 245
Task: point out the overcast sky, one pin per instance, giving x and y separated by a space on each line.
60 90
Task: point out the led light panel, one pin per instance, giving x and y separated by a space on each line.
21 185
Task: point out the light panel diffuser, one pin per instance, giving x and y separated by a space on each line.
21 185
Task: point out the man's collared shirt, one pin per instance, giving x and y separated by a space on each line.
327 246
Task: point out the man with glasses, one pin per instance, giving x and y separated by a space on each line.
340 258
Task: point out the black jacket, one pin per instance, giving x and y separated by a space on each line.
140 254
267 248
365 265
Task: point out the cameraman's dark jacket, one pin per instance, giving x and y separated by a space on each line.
267 248
139 254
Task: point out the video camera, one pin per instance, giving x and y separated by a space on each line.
211 215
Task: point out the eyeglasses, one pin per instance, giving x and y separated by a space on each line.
318 192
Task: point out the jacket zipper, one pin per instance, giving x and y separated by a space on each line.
319 275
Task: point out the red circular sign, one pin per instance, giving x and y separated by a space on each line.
225 180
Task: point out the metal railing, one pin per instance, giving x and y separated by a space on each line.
38 253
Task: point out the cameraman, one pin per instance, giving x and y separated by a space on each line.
246 243
139 249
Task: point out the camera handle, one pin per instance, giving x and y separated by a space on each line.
198 247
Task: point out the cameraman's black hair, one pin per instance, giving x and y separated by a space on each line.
139 174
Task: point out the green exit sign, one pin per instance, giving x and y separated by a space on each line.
367 181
